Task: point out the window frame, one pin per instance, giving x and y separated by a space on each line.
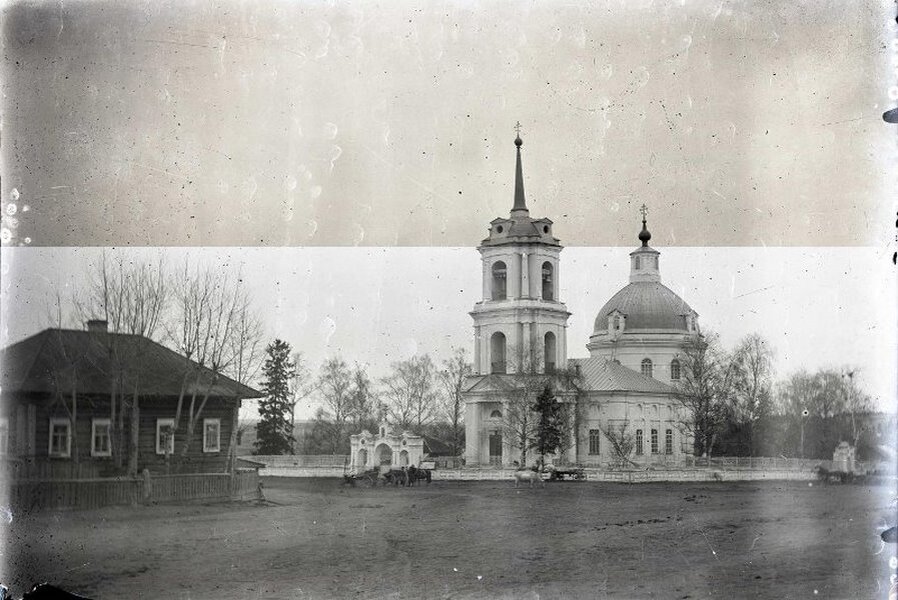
160 423
547 281
60 422
668 441
638 442
647 365
206 448
654 441
675 363
93 437
595 435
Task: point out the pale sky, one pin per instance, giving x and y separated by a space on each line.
295 123
819 307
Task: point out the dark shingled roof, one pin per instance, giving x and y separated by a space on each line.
37 362
646 305
601 375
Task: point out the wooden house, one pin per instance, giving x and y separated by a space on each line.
91 403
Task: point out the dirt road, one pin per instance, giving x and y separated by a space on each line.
317 539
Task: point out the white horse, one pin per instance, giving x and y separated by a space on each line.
527 475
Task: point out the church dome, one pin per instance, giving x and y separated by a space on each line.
646 305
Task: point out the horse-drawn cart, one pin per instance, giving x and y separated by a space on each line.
567 473
368 477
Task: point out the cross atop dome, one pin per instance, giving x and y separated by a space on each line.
644 235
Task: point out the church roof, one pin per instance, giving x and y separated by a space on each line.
602 375
646 305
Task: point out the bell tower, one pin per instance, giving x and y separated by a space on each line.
520 323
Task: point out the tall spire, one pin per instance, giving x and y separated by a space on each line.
520 204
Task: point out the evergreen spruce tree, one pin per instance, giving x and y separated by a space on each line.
550 424
274 432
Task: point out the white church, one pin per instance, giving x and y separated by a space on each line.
626 385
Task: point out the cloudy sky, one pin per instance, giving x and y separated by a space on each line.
350 155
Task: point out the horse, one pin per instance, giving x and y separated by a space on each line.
416 474
528 475
396 477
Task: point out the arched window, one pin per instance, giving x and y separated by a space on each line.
497 353
668 441
675 369
639 441
550 352
647 367
496 414
654 441
499 280
548 282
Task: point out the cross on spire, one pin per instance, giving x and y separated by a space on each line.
644 210
517 128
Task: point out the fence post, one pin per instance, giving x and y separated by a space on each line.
147 487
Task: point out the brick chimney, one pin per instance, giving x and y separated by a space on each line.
97 326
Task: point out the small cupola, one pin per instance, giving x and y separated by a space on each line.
644 260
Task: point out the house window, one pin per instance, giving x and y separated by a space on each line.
647 367
211 435
595 436
499 273
654 441
165 436
548 283
639 441
60 437
101 439
668 441
675 369
4 436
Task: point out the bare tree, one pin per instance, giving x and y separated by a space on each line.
301 387
365 406
216 333
409 393
524 385
456 370
705 390
248 358
335 388
622 442
131 295
752 383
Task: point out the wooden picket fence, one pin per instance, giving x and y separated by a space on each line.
96 493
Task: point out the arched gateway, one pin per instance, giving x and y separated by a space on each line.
385 449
